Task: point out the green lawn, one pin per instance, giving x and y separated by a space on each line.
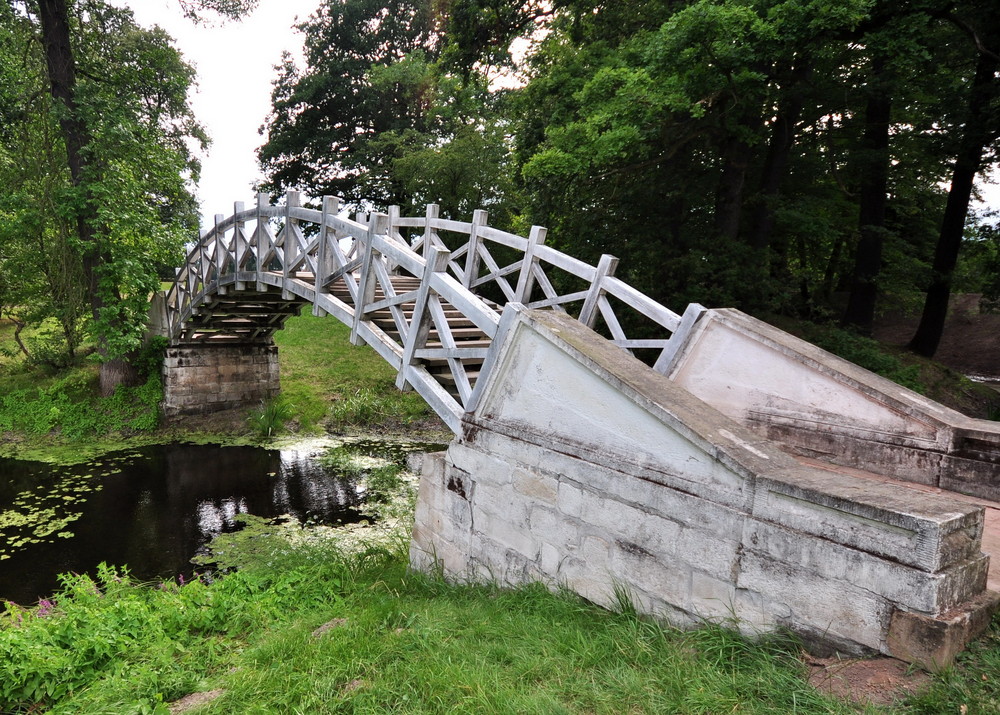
324 377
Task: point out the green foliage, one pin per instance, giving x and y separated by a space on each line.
865 352
396 641
339 103
268 420
68 407
82 250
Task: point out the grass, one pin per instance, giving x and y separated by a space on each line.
327 385
331 382
398 642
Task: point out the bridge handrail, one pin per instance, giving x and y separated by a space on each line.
365 253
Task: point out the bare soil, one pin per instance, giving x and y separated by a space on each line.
970 343
868 681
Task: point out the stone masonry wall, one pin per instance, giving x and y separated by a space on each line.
582 468
198 379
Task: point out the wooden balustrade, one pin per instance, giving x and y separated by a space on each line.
395 282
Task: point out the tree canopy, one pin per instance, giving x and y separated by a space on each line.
96 165
808 157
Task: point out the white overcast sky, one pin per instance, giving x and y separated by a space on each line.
235 63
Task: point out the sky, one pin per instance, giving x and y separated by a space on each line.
235 63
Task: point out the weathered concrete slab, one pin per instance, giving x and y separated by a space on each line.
818 405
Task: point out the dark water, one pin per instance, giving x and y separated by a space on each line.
150 508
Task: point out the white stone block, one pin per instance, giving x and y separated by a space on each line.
535 484
827 608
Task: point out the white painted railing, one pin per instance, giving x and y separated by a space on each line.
368 252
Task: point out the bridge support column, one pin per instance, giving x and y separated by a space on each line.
207 378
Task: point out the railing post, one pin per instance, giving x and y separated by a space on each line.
606 267
324 257
432 213
377 223
479 218
394 235
239 243
260 234
219 257
289 242
204 261
420 325
526 277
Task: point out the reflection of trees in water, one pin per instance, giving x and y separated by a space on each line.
158 505
215 518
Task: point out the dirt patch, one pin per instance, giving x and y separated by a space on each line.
867 681
195 700
970 343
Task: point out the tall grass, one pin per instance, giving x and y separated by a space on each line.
397 642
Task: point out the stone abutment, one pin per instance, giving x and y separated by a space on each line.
208 378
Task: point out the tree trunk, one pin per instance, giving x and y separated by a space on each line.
860 311
54 18
977 134
729 194
778 152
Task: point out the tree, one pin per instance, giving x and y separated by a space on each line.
119 199
327 118
978 132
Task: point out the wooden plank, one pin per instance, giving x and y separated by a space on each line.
325 261
611 319
605 267
366 283
529 263
692 314
420 323
453 352
642 344
399 254
392 301
642 303
430 237
472 306
558 300
504 238
290 233
443 224
479 218
566 263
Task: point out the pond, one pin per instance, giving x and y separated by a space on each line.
153 508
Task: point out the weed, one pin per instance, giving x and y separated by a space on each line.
270 417
407 643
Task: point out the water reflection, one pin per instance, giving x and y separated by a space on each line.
155 507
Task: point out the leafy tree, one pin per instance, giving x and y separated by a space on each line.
117 203
978 132
324 130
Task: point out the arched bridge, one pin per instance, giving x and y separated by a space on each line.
736 473
426 292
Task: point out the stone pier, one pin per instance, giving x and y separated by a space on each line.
208 378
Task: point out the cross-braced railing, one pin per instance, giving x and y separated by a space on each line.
432 312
